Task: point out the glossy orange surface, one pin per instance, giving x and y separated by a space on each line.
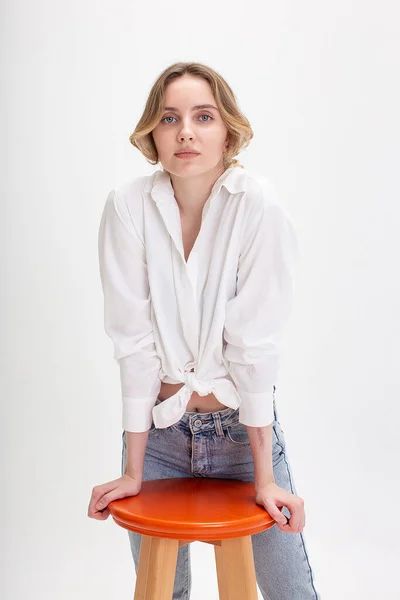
192 509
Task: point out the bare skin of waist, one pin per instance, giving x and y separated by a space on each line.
196 403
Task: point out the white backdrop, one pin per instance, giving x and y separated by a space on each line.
319 84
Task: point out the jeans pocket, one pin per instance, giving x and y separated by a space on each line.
237 434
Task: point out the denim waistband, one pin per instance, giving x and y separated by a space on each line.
207 420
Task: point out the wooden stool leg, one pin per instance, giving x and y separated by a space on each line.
141 579
235 569
157 567
222 583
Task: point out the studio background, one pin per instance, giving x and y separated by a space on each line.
319 83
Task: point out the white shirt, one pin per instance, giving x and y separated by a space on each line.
223 312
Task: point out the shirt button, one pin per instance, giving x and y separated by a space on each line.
197 423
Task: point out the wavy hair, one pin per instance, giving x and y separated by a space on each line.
239 130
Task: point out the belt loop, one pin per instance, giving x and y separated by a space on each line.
218 425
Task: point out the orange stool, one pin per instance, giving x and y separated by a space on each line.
170 513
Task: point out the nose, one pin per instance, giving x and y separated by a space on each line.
186 131
185 137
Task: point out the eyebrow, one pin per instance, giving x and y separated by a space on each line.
197 107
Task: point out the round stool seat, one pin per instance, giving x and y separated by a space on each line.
192 509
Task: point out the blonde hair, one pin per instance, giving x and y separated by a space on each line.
239 130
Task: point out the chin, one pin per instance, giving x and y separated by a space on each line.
180 167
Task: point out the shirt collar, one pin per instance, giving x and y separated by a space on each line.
160 187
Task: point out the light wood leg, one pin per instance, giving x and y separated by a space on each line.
222 583
141 579
235 569
157 567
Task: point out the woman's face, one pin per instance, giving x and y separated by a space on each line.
182 125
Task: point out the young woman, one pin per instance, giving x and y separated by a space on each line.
197 265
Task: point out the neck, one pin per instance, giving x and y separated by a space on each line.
191 193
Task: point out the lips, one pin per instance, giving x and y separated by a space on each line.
186 152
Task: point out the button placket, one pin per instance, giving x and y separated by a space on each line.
192 271
187 306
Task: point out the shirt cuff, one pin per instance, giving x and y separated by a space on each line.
256 409
137 413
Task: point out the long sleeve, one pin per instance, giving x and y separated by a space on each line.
257 315
127 306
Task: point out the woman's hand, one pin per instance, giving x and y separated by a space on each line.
103 494
273 498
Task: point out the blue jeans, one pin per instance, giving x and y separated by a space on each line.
215 444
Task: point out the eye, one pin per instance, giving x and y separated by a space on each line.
164 120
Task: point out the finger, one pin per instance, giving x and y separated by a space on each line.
293 504
96 504
98 494
290 525
301 520
102 515
107 498
117 493
295 521
99 514
101 504
275 513
288 528
296 514
104 488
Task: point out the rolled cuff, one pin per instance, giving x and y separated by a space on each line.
256 409
137 413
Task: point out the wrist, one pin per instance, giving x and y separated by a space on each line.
263 482
134 474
